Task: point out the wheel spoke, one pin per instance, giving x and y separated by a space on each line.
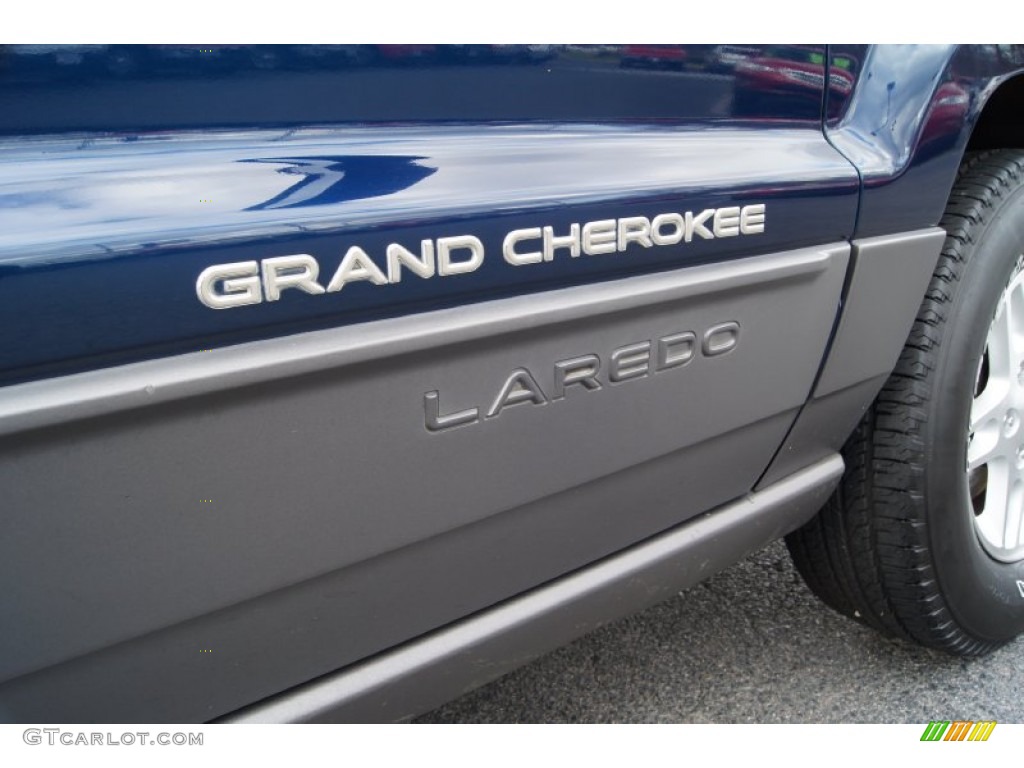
999 336
992 520
1014 515
1015 325
994 400
984 447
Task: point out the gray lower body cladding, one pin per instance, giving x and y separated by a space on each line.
888 278
430 670
190 535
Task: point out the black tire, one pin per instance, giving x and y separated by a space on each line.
896 546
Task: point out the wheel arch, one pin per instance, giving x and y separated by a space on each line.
912 115
1000 123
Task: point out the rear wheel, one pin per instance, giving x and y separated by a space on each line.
924 539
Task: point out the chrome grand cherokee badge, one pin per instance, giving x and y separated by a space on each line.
589 373
241 283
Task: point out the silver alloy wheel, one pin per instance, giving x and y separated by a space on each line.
995 446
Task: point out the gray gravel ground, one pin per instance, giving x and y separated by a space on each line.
751 644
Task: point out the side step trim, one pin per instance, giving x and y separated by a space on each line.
423 674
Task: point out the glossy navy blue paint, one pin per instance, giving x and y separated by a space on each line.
48 89
140 177
102 242
127 170
908 121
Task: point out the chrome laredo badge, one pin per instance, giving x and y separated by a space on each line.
241 283
627 363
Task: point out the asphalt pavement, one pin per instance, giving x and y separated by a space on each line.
749 645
